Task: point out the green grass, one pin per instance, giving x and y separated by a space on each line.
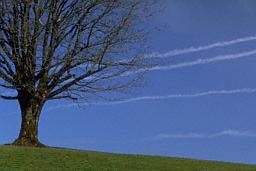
21 158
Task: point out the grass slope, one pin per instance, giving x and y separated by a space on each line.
21 158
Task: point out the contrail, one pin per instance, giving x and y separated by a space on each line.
195 62
171 96
207 93
201 48
233 133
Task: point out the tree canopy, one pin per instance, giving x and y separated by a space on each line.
67 49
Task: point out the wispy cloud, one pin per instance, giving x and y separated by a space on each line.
196 62
234 133
225 133
194 95
206 93
188 135
201 48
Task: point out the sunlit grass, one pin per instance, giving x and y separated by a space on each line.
22 158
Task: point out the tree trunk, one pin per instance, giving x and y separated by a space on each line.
30 112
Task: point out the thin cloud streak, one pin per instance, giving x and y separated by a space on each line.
201 48
225 133
195 95
196 62
234 133
207 93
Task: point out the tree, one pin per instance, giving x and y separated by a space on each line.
67 49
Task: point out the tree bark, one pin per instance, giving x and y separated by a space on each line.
30 112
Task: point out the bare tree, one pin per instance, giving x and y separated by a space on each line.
65 49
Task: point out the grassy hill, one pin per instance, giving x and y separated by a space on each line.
21 158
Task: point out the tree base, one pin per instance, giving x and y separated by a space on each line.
28 143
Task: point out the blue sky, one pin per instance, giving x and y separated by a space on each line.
217 126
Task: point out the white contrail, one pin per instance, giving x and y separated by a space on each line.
186 135
201 48
206 93
233 133
195 62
